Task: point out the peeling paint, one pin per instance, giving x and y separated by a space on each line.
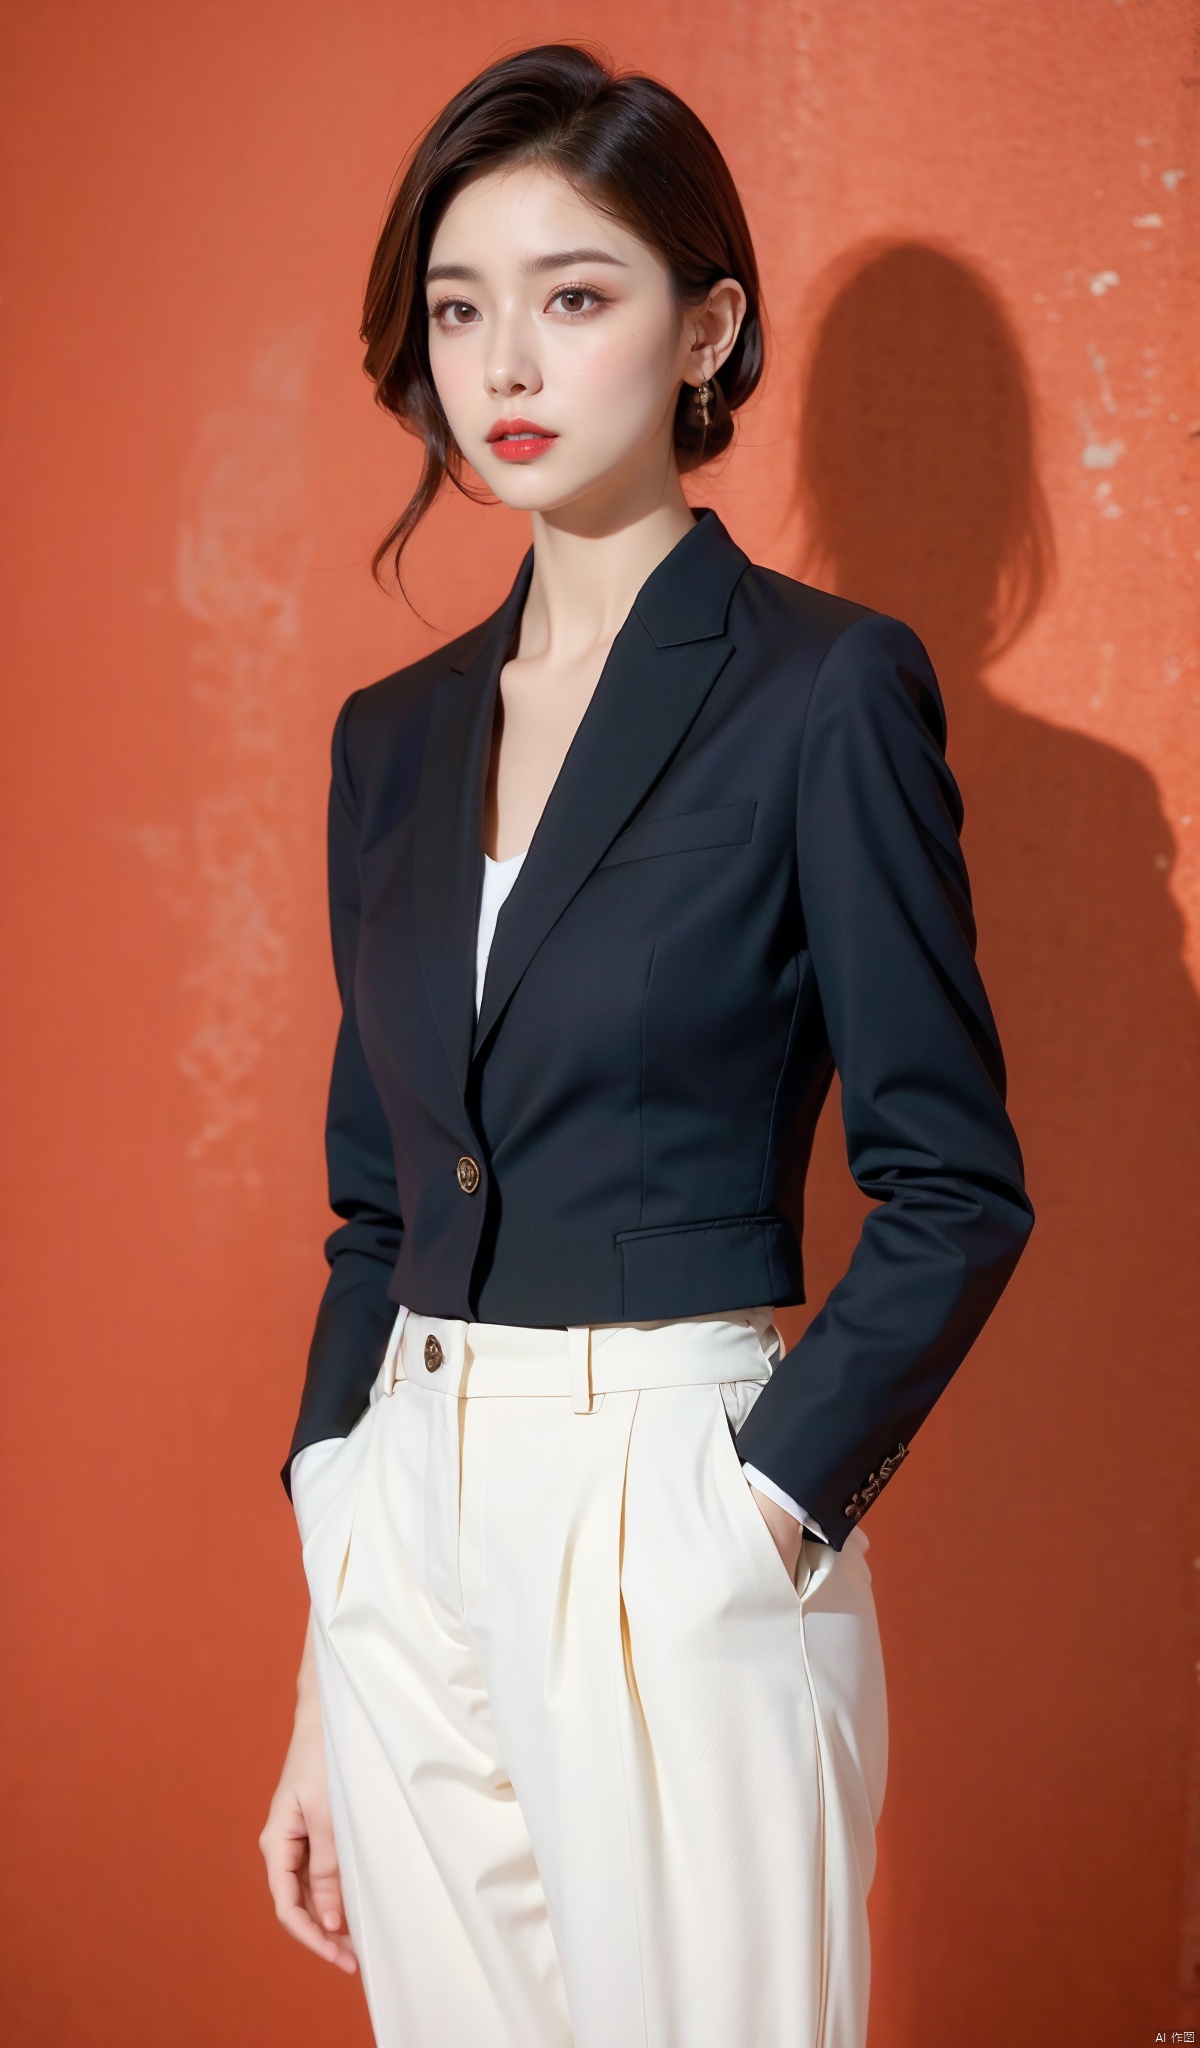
1102 454
1100 366
244 541
1095 453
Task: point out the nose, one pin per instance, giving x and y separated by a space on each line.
510 367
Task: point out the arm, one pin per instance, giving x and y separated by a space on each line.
355 1315
353 1323
891 939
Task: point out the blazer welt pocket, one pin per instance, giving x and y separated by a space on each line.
723 1260
728 825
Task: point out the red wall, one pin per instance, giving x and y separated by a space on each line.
977 227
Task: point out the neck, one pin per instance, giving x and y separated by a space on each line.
589 562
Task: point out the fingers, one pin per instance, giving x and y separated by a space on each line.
324 1882
312 1917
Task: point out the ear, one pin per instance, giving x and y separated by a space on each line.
711 329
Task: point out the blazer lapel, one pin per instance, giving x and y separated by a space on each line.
661 667
448 837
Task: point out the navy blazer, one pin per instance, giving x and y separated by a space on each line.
747 874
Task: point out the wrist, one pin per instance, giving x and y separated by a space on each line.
306 1678
780 1521
307 1701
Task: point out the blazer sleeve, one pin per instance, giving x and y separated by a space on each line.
890 934
355 1315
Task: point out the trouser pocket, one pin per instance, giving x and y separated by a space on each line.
325 1513
737 1397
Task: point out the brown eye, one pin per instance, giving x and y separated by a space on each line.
453 312
575 301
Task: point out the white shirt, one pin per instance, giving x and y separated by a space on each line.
498 878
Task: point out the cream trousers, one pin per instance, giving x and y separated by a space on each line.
602 1774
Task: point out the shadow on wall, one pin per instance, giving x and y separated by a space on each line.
1036 1581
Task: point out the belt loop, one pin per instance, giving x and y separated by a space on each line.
393 1367
772 1343
579 1360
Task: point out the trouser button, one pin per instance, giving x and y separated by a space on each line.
434 1355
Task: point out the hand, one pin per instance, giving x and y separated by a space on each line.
786 1530
297 1841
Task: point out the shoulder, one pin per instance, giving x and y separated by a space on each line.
846 663
783 613
382 720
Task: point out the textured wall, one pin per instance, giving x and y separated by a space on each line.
977 226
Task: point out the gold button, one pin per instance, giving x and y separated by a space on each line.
468 1174
434 1355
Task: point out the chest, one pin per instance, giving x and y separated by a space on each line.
540 705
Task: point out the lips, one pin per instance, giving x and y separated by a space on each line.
519 440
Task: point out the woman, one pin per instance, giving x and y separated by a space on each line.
591 1734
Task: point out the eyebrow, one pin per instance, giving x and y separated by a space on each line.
558 259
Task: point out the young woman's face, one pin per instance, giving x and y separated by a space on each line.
556 342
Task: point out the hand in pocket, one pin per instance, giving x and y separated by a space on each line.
787 1532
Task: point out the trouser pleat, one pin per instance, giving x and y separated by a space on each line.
602 1775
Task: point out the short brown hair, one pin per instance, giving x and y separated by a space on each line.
629 145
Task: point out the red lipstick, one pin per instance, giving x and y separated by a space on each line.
519 440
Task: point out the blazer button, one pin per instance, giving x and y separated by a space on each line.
434 1354
468 1174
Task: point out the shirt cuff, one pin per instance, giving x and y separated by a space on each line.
783 1500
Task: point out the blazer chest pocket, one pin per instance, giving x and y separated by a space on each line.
728 825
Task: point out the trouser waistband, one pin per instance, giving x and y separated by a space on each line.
460 1359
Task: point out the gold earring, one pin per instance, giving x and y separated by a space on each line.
704 401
